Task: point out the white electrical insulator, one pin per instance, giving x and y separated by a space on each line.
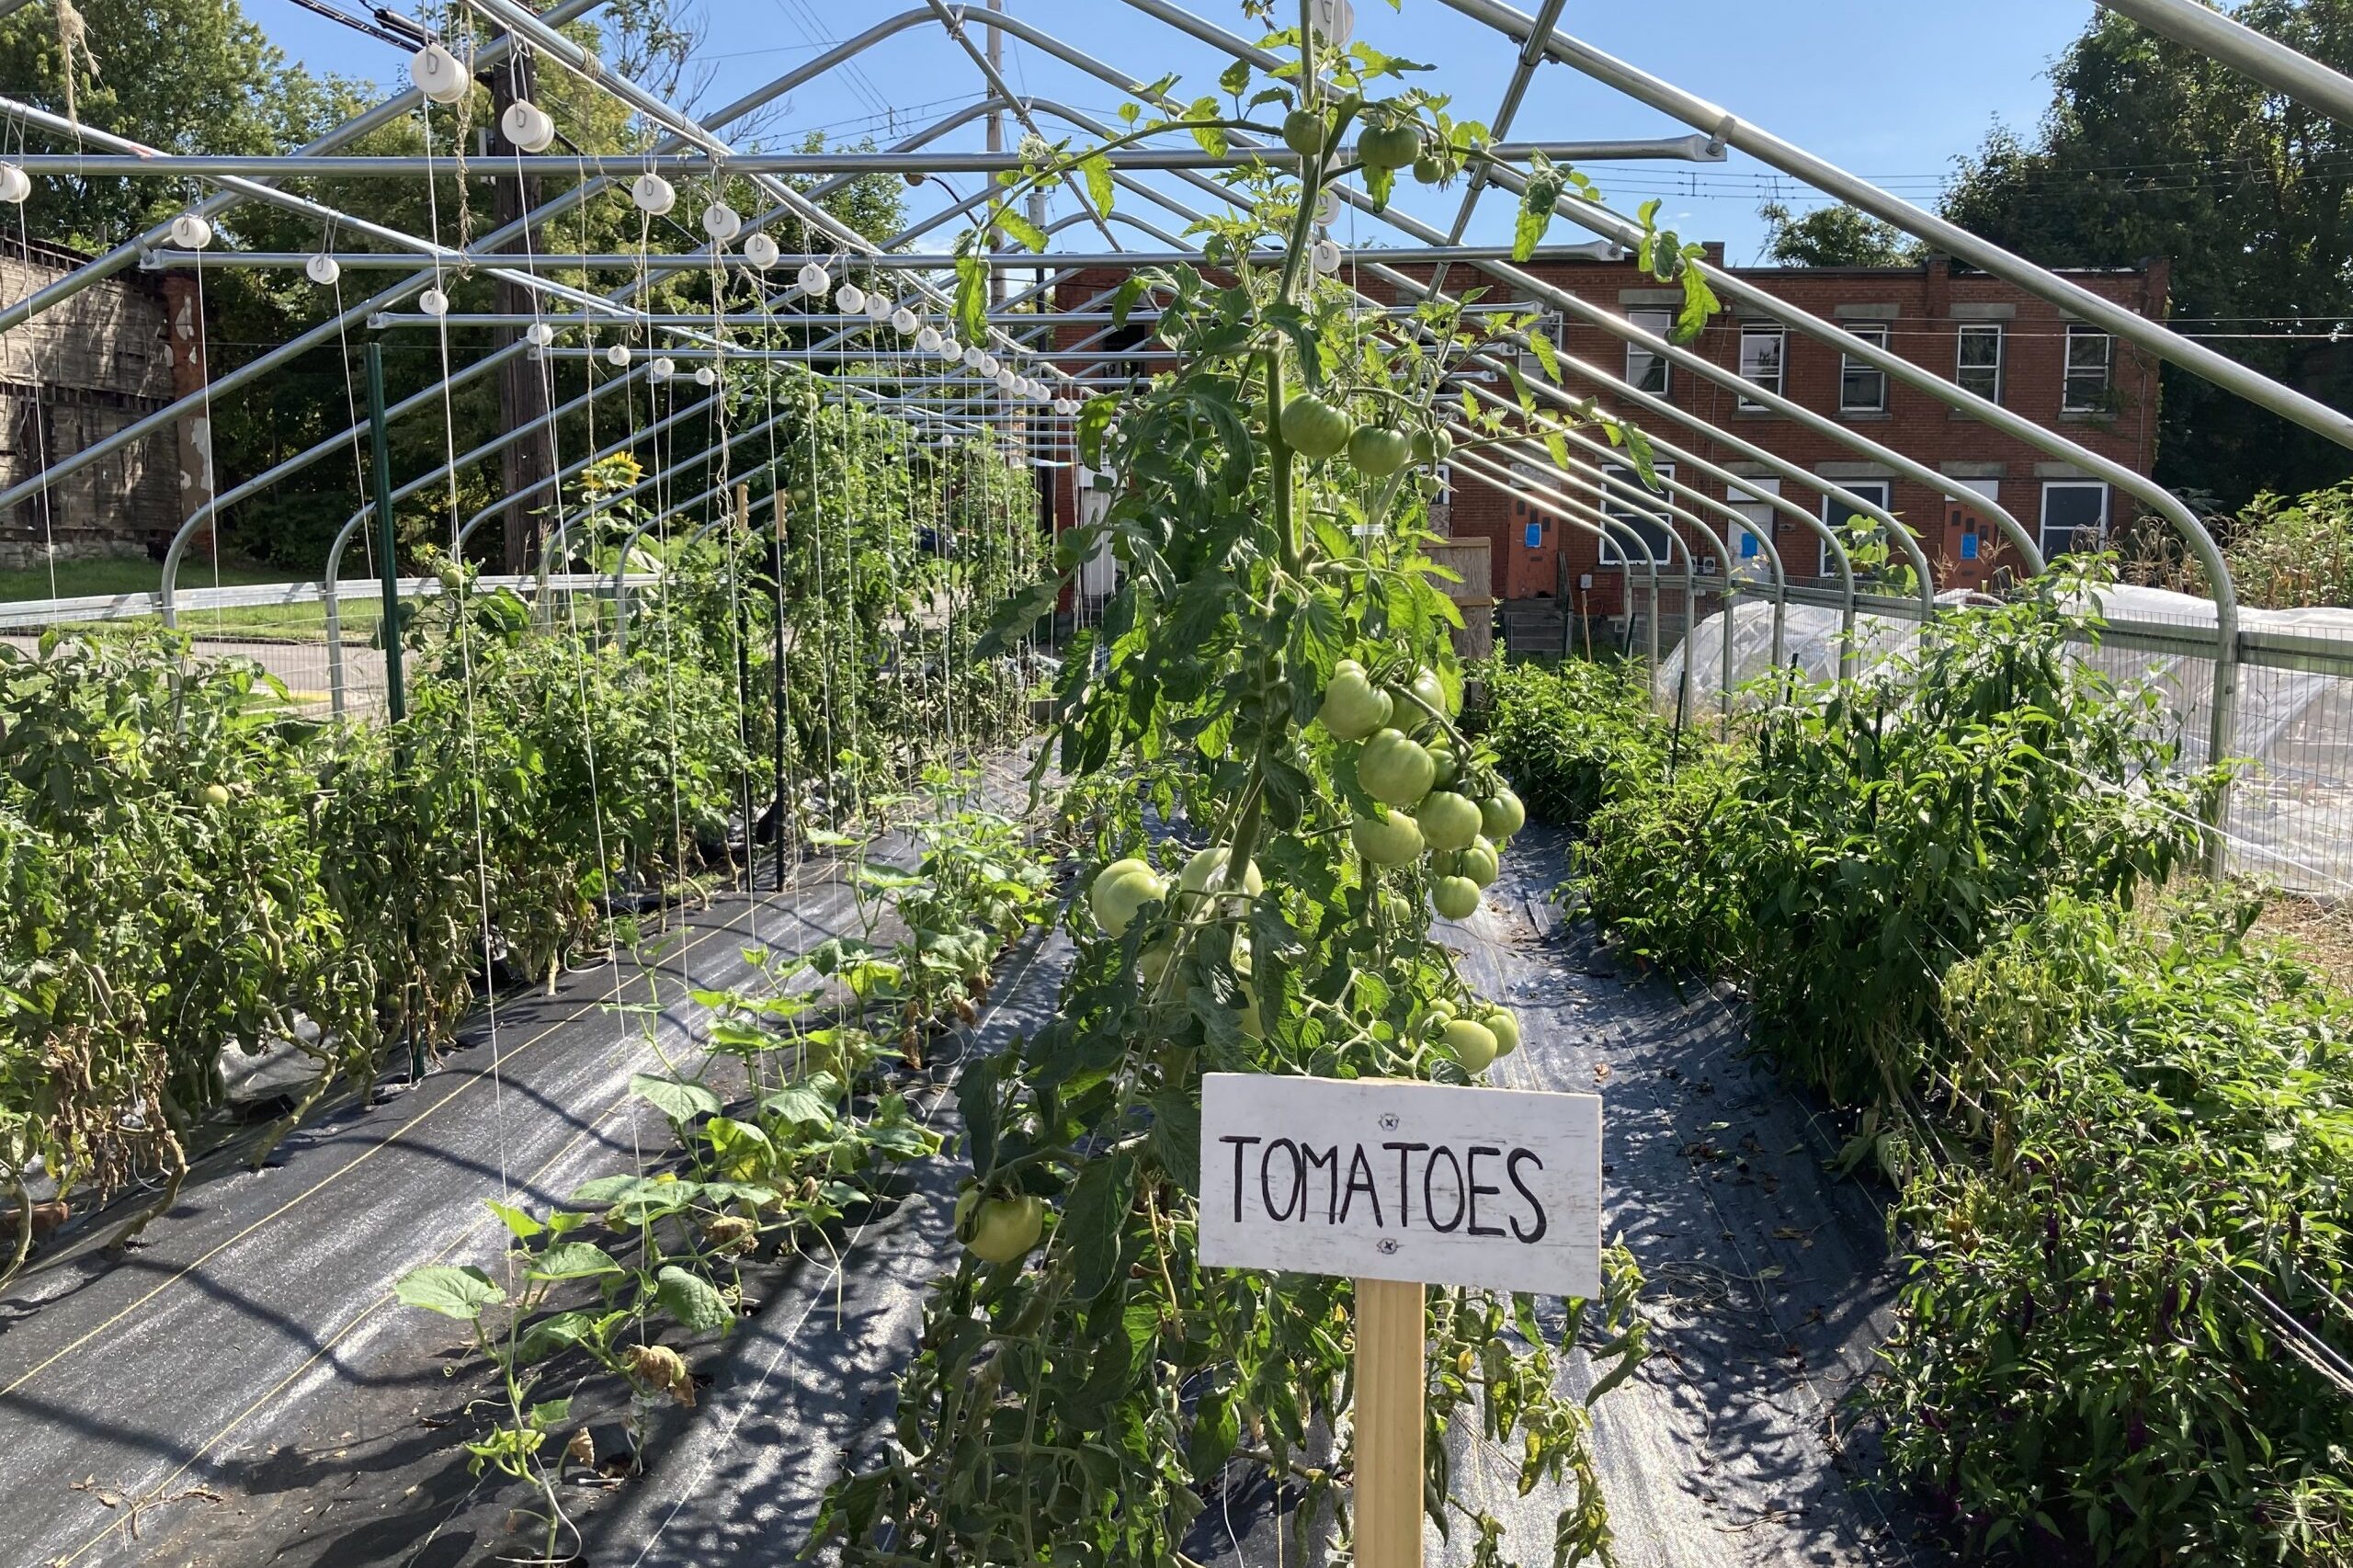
990 366
974 355
879 307
527 127
538 334
191 232
617 356
652 194
433 303
1324 257
662 367
1328 207
903 321
761 252
813 279
1004 378
323 270
705 375
722 223
14 184
438 75
850 299
928 340
950 350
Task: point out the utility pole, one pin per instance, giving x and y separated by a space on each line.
522 379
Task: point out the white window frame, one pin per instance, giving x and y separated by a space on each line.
1780 382
2042 522
1961 367
1876 334
2069 403
1619 507
1835 511
1659 321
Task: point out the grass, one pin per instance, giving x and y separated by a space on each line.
359 608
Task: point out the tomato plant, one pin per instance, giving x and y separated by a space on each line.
1073 1401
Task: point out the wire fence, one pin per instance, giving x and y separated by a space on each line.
2289 815
322 646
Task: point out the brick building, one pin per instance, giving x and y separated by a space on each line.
1962 326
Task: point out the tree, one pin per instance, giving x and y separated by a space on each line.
1836 236
2151 150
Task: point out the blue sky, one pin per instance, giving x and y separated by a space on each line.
1892 89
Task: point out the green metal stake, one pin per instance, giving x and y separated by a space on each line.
396 697
395 694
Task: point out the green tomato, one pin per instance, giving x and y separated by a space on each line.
1455 898
1442 755
1397 907
1312 428
1206 869
999 1230
1395 770
1353 707
1153 962
1392 838
1119 890
1479 862
1432 447
1429 168
1502 814
1448 821
1389 146
1432 690
1474 1044
216 795
1501 1023
1303 132
1378 450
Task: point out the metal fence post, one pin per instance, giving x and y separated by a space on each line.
387 558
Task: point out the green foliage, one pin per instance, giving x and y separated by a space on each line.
1875 834
2285 554
1836 236
2130 1283
2151 149
1569 736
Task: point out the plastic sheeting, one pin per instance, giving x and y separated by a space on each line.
2291 808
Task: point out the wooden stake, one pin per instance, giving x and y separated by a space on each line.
1389 1424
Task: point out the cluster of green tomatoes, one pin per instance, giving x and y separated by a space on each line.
1314 428
1426 805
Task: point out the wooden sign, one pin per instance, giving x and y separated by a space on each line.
1384 1179
1399 1185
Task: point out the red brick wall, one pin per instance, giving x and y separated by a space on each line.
1923 307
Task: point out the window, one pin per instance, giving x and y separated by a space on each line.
1980 370
1862 388
1761 346
1649 522
2090 356
2075 515
1846 522
1647 372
